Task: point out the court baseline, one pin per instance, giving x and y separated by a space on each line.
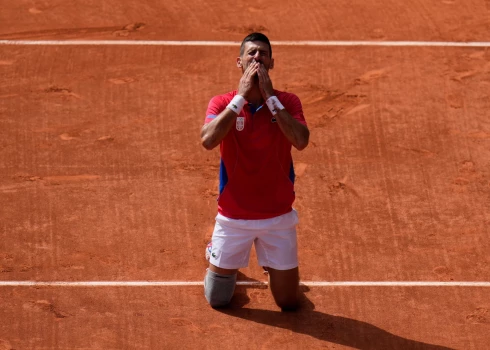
242 283
235 43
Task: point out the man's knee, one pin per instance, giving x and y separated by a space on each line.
219 288
287 300
288 304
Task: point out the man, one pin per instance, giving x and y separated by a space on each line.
255 127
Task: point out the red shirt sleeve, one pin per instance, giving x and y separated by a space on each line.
294 107
215 107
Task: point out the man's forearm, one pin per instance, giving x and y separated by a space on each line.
297 133
215 131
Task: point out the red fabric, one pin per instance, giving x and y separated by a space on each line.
257 160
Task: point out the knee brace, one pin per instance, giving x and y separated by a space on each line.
218 288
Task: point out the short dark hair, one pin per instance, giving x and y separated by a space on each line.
256 37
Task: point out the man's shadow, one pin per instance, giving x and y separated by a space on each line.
330 328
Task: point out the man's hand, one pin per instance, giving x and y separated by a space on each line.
265 83
247 80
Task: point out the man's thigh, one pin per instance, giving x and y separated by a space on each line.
222 271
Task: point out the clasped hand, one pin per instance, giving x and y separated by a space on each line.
248 80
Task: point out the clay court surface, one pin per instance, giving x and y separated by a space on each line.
103 178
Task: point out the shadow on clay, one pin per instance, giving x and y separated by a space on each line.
330 328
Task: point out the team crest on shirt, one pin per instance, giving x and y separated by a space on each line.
240 123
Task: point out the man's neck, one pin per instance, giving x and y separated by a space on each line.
255 97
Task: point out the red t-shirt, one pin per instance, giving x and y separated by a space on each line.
256 171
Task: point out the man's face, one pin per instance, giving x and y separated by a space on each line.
255 51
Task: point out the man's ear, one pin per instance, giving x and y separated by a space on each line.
239 62
272 64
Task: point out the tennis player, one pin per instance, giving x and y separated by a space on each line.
255 127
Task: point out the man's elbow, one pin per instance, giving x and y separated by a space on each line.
303 142
207 143
301 146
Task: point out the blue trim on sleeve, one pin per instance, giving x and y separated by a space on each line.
211 116
223 176
292 175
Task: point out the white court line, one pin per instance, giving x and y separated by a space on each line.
240 283
236 43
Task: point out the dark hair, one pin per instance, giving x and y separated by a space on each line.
256 37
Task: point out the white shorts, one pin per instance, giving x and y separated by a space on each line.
274 238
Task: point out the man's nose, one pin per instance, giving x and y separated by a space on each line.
257 57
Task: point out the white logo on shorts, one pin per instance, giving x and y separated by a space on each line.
240 123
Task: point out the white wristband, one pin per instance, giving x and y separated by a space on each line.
236 104
274 105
